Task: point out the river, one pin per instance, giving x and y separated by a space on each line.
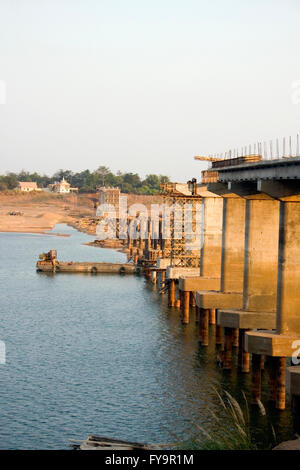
101 354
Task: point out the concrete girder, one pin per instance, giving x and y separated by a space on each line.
282 169
279 189
218 188
242 189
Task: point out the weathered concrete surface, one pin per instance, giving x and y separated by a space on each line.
163 263
288 295
192 284
219 300
270 343
278 189
233 245
208 276
261 264
211 254
242 189
232 259
293 380
176 273
246 320
288 312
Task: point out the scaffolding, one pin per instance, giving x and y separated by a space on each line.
183 244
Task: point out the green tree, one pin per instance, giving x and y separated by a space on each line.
103 171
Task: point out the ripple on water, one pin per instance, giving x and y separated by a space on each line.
98 354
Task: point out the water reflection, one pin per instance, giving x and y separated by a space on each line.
102 354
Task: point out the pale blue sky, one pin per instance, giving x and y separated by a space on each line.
143 86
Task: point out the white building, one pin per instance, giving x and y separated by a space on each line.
26 186
62 187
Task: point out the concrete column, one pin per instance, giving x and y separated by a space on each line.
219 340
197 314
240 353
200 324
228 257
259 266
280 383
293 385
296 414
245 356
260 274
235 340
256 378
212 316
171 293
288 311
279 344
233 244
271 370
205 330
185 307
153 276
228 348
211 253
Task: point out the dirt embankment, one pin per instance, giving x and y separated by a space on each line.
37 212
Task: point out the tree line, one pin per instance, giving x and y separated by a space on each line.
89 181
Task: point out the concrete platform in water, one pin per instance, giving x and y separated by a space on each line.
48 263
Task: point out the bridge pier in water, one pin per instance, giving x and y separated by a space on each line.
248 277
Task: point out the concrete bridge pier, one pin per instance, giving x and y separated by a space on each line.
283 342
293 387
235 339
219 335
163 277
193 299
171 293
256 378
203 326
160 268
271 368
212 315
153 276
229 260
228 342
243 356
173 274
207 277
254 268
185 307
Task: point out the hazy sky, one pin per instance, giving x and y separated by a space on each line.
143 86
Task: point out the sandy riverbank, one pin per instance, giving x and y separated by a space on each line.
41 212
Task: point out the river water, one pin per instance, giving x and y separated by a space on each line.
102 354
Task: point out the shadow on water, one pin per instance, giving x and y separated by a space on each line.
102 354
204 377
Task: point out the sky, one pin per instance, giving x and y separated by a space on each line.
143 86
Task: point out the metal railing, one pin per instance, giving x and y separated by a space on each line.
271 150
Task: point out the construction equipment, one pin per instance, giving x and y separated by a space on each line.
208 159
